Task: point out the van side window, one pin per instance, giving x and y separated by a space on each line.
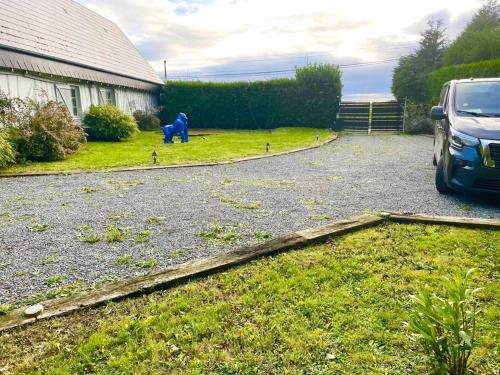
442 97
446 101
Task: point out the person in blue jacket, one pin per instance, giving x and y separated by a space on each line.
180 126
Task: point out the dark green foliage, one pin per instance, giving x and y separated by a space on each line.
417 119
320 88
435 80
480 40
309 100
147 120
108 123
409 77
474 46
7 152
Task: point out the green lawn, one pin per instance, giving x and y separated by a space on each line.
336 308
137 151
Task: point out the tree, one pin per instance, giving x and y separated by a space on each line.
409 76
481 38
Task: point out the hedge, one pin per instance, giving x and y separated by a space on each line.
311 100
436 79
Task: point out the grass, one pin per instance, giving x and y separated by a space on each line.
219 234
335 308
137 151
115 233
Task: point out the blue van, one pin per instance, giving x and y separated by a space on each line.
467 136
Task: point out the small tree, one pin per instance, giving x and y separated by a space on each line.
7 152
409 77
320 88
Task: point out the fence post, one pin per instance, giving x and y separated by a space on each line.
404 115
370 117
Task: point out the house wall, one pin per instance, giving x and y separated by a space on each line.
20 86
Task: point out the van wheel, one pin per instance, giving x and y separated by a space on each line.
440 183
434 162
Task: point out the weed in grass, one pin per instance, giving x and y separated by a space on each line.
178 253
3 265
116 234
5 217
146 263
35 273
125 260
87 234
221 234
464 206
5 308
240 204
312 202
155 220
284 212
446 326
143 237
117 216
227 180
65 290
88 190
22 273
262 235
321 217
53 280
38 227
48 259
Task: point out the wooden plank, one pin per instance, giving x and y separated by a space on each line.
340 227
443 220
174 275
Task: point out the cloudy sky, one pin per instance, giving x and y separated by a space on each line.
226 40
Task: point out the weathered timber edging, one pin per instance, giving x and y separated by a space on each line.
183 272
152 167
443 220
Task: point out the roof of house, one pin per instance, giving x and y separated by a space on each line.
65 38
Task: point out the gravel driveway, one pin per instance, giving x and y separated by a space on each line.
144 220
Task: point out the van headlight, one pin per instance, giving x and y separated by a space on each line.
459 140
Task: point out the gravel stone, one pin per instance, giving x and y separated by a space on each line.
43 219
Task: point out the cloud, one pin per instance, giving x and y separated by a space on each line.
207 36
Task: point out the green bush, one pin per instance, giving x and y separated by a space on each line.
147 120
417 120
108 123
446 326
311 100
49 135
435 80
7 152
473 47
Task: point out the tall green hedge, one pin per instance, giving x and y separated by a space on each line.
311 99
436 79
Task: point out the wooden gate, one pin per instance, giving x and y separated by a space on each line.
371 117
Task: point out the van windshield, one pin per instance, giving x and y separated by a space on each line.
478 99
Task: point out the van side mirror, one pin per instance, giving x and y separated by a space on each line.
437 113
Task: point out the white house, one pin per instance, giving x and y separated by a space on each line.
58 49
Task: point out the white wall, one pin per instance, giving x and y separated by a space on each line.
128 100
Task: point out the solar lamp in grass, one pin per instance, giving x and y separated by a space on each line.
154 155
268 146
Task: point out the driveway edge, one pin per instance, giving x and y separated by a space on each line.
150 168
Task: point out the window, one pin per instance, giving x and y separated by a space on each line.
75 101
70 97
106 96
478 98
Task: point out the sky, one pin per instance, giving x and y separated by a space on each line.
245 40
